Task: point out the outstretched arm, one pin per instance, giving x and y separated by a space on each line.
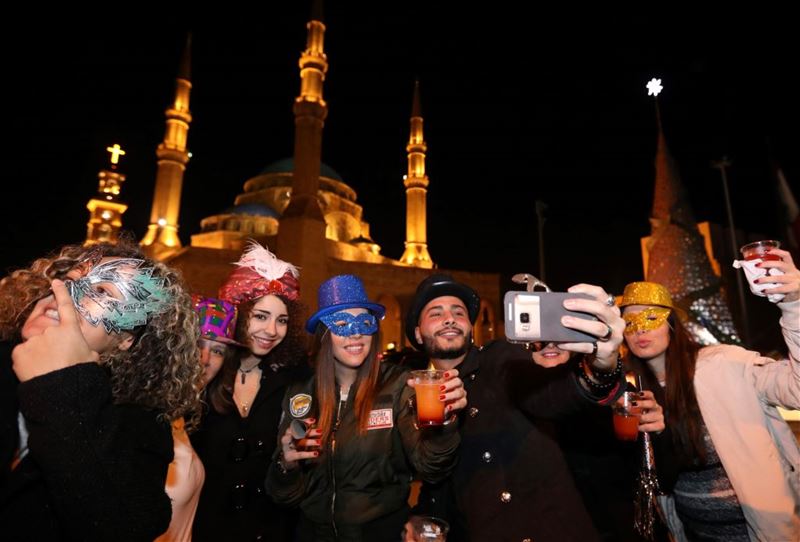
779 382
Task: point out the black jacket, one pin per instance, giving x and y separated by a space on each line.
512 482
94 470
368 476
606 469
235 452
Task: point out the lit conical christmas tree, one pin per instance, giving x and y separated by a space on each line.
677 254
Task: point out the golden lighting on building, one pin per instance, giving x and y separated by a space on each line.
105 211
172 157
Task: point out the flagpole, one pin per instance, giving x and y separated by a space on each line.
722 166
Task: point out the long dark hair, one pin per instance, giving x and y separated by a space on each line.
288 352
218 395
681 409
365 386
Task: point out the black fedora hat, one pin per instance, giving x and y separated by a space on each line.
434 286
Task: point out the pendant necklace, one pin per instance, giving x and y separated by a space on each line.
247 372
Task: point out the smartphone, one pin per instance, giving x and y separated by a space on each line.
536 316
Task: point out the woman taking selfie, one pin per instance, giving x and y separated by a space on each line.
740 478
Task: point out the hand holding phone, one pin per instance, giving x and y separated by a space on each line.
536 316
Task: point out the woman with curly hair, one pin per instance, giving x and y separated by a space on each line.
104 349
239 432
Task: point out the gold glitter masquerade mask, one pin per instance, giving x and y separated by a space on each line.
646 320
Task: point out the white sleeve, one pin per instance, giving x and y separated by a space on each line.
778 382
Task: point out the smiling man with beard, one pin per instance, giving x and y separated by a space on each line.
511 481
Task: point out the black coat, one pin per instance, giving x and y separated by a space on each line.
235 452
512 482
94 470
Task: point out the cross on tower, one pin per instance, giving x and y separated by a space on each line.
116 151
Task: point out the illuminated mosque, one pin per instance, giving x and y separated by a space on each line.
299 207
305 212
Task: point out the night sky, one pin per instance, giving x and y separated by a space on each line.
518 106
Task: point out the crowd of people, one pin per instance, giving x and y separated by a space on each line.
131 409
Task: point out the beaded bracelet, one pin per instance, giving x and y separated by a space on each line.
602 382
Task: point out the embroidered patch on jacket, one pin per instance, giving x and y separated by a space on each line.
380 419
300 404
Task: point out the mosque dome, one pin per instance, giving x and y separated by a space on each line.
252 209
286 165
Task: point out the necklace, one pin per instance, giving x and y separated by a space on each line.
247 372
244 405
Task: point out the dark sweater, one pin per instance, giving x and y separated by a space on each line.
94 471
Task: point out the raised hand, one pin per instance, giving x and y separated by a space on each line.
452 392
608 328
788 283
58 346
652 418
289 446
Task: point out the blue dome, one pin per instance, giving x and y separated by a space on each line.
287 166
252 209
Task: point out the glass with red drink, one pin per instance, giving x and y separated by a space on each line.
758 250
626 416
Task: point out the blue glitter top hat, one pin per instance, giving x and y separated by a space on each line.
339 293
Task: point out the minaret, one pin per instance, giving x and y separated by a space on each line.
416 182
301 232
162 233
310 111
105 210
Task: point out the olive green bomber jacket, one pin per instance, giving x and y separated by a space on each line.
367 475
